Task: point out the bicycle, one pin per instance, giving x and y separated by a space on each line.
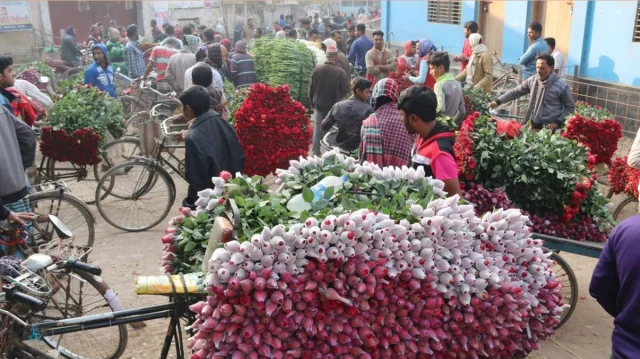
53 199
143 185
58 289
136 106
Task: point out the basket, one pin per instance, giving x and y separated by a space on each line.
121 82
81 147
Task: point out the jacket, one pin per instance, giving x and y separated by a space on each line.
242 69
18 148
615 284
551 100
70 50
99 77
348 115
528 59
116 55
483 74
212 146
328 85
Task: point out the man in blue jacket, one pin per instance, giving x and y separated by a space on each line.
616 286
359 49
537 46
100 73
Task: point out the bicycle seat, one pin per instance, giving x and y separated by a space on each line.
37 262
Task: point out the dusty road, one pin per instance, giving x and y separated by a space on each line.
124 256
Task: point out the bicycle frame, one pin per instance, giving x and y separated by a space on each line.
175 310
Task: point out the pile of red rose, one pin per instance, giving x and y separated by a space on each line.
441 283
272 128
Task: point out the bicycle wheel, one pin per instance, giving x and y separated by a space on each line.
569 283
72 73
73 212
626 209
78 294
130 105
139 192
116 152
79 179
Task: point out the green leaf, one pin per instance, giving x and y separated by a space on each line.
190 246
197 235
329 193
239 201
307 194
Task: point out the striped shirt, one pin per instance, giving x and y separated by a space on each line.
242 70
160 56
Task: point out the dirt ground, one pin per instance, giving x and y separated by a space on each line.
123 256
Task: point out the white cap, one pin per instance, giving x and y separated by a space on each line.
330 42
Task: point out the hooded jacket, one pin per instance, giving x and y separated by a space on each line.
18 148
551 100
99 77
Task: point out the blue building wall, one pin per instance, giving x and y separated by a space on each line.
612 56
600 40
407 20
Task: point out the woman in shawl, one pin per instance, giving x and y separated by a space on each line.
426 47
479 72
115 51
410 58
216 55
215 60
385 139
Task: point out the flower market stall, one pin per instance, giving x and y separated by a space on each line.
401 272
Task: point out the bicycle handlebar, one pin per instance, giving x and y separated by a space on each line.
143 87
11 293
165 129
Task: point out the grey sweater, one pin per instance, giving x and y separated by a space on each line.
551 100
17 148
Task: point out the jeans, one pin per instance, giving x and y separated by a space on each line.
317 131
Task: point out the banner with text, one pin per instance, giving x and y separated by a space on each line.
15 16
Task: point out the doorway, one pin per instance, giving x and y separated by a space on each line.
555 17
491 22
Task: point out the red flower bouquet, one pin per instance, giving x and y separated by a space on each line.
81 147
600 136
272 128
623 179
399 77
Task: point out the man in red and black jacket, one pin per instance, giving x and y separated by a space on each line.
434 144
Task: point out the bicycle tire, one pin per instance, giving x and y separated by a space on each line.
573 282
83 187
627 201
84 211
108 161
101 287
130 105
148 180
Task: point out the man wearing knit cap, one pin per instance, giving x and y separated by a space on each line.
328 85
341 60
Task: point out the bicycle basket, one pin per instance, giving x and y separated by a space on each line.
122 82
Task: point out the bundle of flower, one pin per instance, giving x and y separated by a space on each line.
542 173
80 146
399 76
599 135
476 100
622 178
596 112
486 200
235 98
284 62
438 283
390 190
273 129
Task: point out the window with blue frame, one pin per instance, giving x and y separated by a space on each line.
444 12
